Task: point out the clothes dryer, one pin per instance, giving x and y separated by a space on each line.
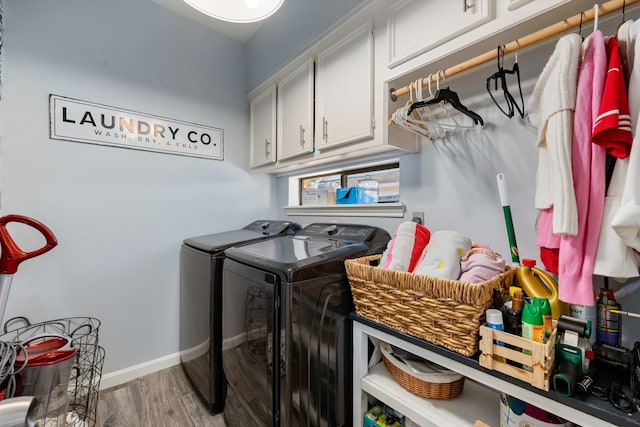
201 260
287 349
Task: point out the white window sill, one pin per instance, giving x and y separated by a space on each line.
387 210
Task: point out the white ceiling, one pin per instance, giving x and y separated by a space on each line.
240 32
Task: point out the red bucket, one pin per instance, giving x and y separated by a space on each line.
46 375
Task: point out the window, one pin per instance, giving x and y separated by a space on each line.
387 177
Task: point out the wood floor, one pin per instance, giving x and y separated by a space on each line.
161 399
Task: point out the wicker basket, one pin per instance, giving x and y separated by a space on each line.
441 385
444 312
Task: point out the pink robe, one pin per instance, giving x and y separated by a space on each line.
577 253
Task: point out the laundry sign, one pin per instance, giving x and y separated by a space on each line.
83 121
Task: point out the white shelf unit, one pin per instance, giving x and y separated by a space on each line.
475 402
366 381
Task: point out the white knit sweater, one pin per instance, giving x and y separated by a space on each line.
551 110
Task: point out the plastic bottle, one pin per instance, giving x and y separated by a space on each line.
513 290
545 309
532 326
609 325
494 321
587 313
368 190
497 299
323 193
512 314
538 283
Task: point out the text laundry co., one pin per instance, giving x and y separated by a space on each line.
84 121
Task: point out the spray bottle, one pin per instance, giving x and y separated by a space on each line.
609 322
538 283
545 309
532 326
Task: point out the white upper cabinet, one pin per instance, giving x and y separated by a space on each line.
417 26
263 128
295 113
344 90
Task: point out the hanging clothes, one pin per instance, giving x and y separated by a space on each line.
551 109
612 128
626 222
548 242
615 256
577 253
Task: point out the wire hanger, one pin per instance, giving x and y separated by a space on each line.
499 80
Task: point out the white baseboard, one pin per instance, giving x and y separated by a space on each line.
232 342
122 376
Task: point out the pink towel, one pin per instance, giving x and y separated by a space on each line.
480 264
577 253
405 248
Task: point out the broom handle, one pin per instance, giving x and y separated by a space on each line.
506 209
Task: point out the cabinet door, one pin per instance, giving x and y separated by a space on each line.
295 113
529 7
417 26
263 128
344 90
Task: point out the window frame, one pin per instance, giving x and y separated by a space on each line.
344 175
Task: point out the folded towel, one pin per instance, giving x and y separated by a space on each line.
443 253
405 248
480 264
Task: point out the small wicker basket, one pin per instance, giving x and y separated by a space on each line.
444 312
443 385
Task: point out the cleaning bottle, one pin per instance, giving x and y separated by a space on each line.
513 314
608 328
587 313
494 321
497 299
532 326
538 283
545 309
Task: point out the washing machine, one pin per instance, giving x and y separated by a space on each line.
201 260
287 349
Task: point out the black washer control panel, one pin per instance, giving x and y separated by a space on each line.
272 227
352 232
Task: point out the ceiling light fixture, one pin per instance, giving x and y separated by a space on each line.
239 11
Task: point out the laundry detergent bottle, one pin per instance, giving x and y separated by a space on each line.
536 282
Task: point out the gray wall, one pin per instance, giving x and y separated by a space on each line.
119 215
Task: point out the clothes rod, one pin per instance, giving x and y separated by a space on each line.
543 34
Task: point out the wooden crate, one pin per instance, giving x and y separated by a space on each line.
495 356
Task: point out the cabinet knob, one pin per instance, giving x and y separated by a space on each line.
325 128
301 135
267 145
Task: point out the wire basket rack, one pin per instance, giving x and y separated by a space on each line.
86 373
